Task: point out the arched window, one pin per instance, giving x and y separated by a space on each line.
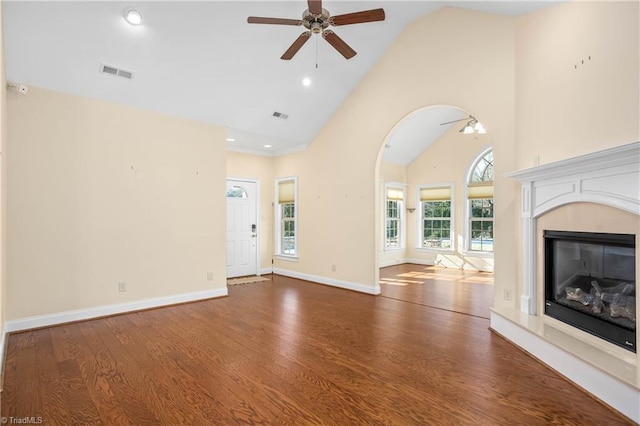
480 198
236 192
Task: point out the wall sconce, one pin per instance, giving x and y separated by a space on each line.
411 209
472 126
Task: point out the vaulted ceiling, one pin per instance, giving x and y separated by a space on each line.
203 61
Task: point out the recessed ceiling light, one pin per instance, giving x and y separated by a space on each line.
231 140
306 82
267 146
133 17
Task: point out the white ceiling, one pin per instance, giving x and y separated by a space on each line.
419 130
201 60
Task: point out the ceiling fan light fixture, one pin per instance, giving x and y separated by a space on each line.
479 128
132 16
467 129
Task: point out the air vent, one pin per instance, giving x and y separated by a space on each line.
280 115
118 72
125 74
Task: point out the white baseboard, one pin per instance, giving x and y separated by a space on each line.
609 389
266 271
101 311
393 262
329 281
419 262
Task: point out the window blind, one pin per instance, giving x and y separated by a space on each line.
395 194
286 192
480 190
435 194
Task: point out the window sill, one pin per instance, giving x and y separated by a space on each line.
286 257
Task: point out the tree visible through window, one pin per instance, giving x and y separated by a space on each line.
394 217
288 231
436 224
480 193
286 228
236 192
393 224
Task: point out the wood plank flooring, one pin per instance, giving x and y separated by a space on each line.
287 351
466 292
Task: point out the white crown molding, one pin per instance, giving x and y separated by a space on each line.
263 153
361 288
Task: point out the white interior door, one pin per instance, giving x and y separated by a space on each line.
242 231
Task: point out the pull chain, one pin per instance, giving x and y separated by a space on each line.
316 52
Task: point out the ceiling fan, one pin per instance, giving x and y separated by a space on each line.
316 20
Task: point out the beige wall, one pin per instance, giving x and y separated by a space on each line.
80 219
258 168
563 111
430 63
100 193
447 161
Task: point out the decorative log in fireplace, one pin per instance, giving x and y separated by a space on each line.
590 283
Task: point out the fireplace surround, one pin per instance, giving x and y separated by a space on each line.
607 182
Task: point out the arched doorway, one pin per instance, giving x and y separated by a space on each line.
424 208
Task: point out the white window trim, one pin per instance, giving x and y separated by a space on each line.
419 223
277 213
402 217
467 211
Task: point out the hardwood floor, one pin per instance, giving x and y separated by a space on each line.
286 351
466 292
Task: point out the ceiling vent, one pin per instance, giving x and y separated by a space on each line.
117 72
280 115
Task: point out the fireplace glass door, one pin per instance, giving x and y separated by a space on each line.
590 283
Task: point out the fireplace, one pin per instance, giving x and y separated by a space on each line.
594 193
590 283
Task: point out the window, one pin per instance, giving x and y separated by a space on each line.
480 196
286 214
435 204
395 197
236 192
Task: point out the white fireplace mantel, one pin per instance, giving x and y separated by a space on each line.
610 177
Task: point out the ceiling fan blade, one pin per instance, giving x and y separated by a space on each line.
274 21
297 45
338 44
358 17
315 6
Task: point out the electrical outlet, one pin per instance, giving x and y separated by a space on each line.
333 268
507 294
122 286
209 276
